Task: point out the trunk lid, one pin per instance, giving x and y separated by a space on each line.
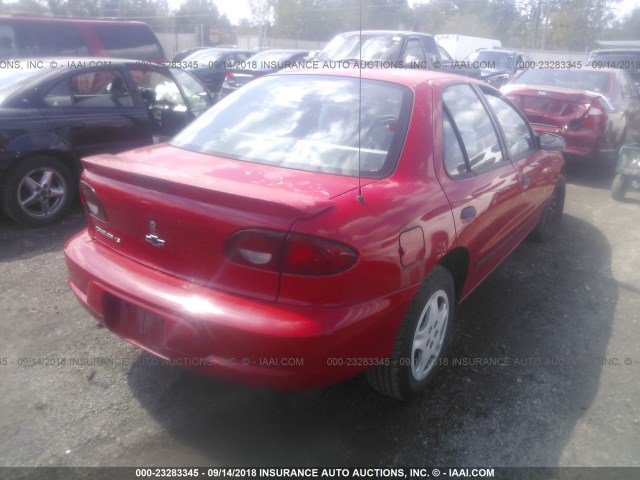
548 105
174 210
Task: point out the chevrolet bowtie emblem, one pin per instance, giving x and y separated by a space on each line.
152 238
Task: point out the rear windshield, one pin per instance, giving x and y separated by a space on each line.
579 79
12 79
307 122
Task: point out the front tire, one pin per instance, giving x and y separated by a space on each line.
38 191
620 187
421 340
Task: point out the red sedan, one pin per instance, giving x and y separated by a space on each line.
596 111
314 225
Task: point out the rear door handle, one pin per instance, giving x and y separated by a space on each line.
468 213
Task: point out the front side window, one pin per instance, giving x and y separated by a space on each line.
197 95
158 88
307 122
474 128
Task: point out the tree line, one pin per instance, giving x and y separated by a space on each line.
539 24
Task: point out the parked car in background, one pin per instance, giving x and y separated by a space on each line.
391 49
260 64
315 225
211 65
33 37
627 59
460 46
595 110
185 53
50 116
498 66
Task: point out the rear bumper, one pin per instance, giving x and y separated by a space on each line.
227 336
583 145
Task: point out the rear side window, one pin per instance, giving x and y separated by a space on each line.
135 41
471 124
307 122
102 89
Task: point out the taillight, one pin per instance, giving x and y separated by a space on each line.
228 75
594 119
292 254
91 201
316 256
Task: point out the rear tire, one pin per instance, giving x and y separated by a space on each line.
547 229
421 340
620 187
38 191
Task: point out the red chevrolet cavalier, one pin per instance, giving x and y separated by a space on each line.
315 225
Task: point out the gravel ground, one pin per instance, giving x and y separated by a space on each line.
544 371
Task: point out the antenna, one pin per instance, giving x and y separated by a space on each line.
359 197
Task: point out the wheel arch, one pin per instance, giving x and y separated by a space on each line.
71 161
456 262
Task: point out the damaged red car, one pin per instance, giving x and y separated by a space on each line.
596 111
315 225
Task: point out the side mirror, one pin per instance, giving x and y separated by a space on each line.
549 141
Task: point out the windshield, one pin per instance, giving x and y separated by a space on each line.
495 59
374 47
307 122
594 81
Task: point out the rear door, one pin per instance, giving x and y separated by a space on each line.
482 185
93 111
522 149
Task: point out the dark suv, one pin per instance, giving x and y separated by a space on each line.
497 65
624 58
390 49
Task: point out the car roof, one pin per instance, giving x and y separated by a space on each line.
83 60
46 19
503 50
615 51
408 77
283 50
386 32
